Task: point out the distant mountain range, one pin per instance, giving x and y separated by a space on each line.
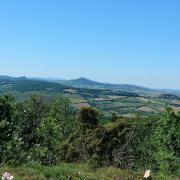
90 84
126 100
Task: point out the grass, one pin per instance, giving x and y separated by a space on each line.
74 171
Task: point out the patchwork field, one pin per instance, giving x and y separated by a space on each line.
124 103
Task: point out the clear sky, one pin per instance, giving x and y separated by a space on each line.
118 41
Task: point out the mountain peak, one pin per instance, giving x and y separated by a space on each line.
83 78
84 81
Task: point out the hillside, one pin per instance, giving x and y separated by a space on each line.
90 84
124 102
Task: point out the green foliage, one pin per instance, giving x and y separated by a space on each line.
101 146
29 115
32 130
114 117
127 102
7 127
53 130
88 116
142 142
75 171
166 141
157 143
49 132
64 115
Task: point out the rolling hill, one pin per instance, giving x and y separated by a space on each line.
126 101
89 84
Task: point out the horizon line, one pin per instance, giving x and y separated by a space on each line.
87 78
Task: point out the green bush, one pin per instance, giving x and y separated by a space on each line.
49 132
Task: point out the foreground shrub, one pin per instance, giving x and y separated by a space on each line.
51 132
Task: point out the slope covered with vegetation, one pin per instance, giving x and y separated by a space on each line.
123 103
49 132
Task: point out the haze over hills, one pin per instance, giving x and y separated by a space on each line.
83 82
91 84
126 100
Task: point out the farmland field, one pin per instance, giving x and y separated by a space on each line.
124 103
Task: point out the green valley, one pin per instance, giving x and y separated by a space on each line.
125 103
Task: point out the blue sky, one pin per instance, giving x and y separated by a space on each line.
118 41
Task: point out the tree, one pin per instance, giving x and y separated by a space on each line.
54 129
114 117
7 126
50 139
88 116
64 115
29 115
166 140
